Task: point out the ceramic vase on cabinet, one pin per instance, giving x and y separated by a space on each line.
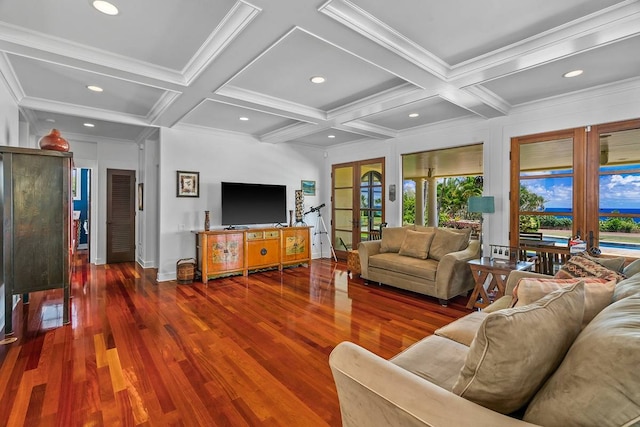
54 141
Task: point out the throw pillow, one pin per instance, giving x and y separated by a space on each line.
614 264
632 269
581 266
516 349
597 293
597 382
416 244
392 238
445 242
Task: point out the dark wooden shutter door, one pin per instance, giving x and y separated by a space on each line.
120 215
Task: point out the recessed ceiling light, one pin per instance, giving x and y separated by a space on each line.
331 136
318 79
244 119
89 125
414 115
573 73
95 88
105 7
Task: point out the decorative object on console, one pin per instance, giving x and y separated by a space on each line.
53 141
299 206
188 184
308 187
481 205
503 253
290 217
207 221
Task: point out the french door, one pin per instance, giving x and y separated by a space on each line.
581 181
357 203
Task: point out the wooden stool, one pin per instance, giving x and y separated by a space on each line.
353 263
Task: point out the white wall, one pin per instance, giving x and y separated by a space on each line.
147 238
221 157
620 102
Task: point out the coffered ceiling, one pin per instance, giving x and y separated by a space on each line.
207 64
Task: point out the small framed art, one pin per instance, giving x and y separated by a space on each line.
188 184
308 188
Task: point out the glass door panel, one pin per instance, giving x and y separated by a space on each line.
357 212
614 221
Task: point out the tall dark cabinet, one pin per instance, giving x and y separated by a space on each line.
35 204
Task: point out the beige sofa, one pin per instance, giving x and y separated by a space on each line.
430 261
594 379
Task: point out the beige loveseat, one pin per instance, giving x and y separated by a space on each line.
590 380
430 261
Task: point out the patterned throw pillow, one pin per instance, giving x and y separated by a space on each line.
580 266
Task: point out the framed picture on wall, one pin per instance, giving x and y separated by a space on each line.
308 188
188 184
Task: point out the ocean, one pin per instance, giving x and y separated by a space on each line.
552 211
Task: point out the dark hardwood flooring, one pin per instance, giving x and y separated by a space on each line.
241 351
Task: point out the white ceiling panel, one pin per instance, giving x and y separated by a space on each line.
329 137
164 33
429 111
460 30
608 64
219 115
285 70
67 85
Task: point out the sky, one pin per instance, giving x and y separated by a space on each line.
617 191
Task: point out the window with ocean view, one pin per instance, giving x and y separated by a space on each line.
580 182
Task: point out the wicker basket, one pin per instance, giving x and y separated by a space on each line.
186 269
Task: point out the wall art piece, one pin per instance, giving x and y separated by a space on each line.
188 184
299 206
308 188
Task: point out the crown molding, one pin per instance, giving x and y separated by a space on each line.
367 129
369 26
81 111
10 78
291 132
259 101
161 105
238 18
593 31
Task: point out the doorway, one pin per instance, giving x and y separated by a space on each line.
121 215
358 203
81 194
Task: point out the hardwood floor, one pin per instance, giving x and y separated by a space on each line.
241 351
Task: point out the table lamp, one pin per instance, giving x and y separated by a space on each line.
482 205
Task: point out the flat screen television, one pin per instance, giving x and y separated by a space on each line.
246 204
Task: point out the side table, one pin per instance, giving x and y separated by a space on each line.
353 263
497 271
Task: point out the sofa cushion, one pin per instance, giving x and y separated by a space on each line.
597 293
424 229
446 241
614 264
598 382
464 329
627 288
632 269
423 268
392 238
516 349
580 266
436 359
416 244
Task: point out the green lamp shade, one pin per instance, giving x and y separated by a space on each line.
483 204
